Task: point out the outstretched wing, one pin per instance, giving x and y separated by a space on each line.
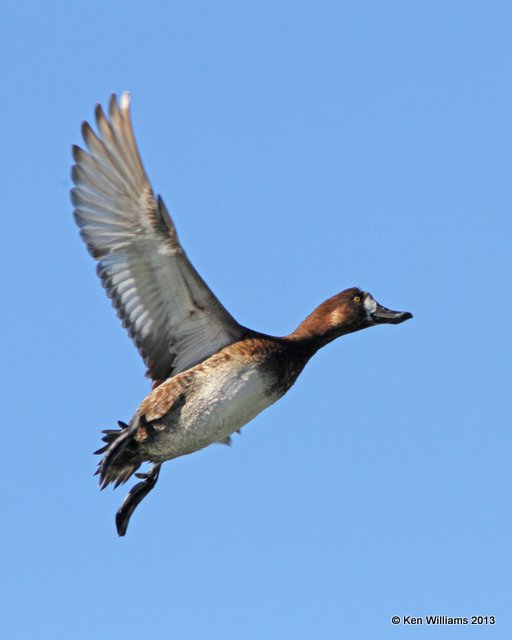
169 311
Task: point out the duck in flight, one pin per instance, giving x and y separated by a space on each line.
210 374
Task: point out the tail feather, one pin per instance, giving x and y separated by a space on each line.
121 457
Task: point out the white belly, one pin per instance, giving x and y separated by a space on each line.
223 403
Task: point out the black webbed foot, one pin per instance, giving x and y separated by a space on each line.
135 497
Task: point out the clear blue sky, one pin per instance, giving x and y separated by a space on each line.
302 147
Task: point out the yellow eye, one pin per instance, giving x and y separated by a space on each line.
357 298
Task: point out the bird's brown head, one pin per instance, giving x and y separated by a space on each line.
346 312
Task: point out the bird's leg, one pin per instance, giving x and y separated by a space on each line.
135 496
